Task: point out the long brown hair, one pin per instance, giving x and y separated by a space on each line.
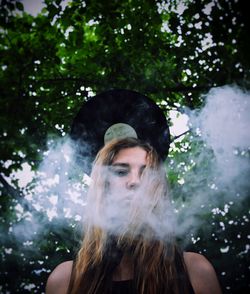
158 263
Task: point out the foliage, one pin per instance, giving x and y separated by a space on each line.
53 62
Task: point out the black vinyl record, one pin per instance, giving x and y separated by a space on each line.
112 107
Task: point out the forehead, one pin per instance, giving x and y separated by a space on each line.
134 155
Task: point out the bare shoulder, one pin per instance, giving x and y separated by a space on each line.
202 274
59 278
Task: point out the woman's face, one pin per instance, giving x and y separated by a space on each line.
125 172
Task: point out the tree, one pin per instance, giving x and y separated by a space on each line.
172 51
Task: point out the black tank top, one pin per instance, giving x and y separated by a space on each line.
123 287
127 287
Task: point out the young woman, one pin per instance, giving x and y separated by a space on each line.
132 251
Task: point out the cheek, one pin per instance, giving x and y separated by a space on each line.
117 183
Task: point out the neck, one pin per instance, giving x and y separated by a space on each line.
125 269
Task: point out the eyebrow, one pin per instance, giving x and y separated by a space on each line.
120 164
126 165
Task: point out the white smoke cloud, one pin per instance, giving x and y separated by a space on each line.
224 124
131 212
220 177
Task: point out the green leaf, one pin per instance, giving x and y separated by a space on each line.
19 6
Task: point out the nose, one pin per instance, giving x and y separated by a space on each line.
133 181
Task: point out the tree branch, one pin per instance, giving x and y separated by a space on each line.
62 79
176 137
16 194
179 88
9 189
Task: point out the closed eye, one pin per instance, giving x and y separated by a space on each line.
119 171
